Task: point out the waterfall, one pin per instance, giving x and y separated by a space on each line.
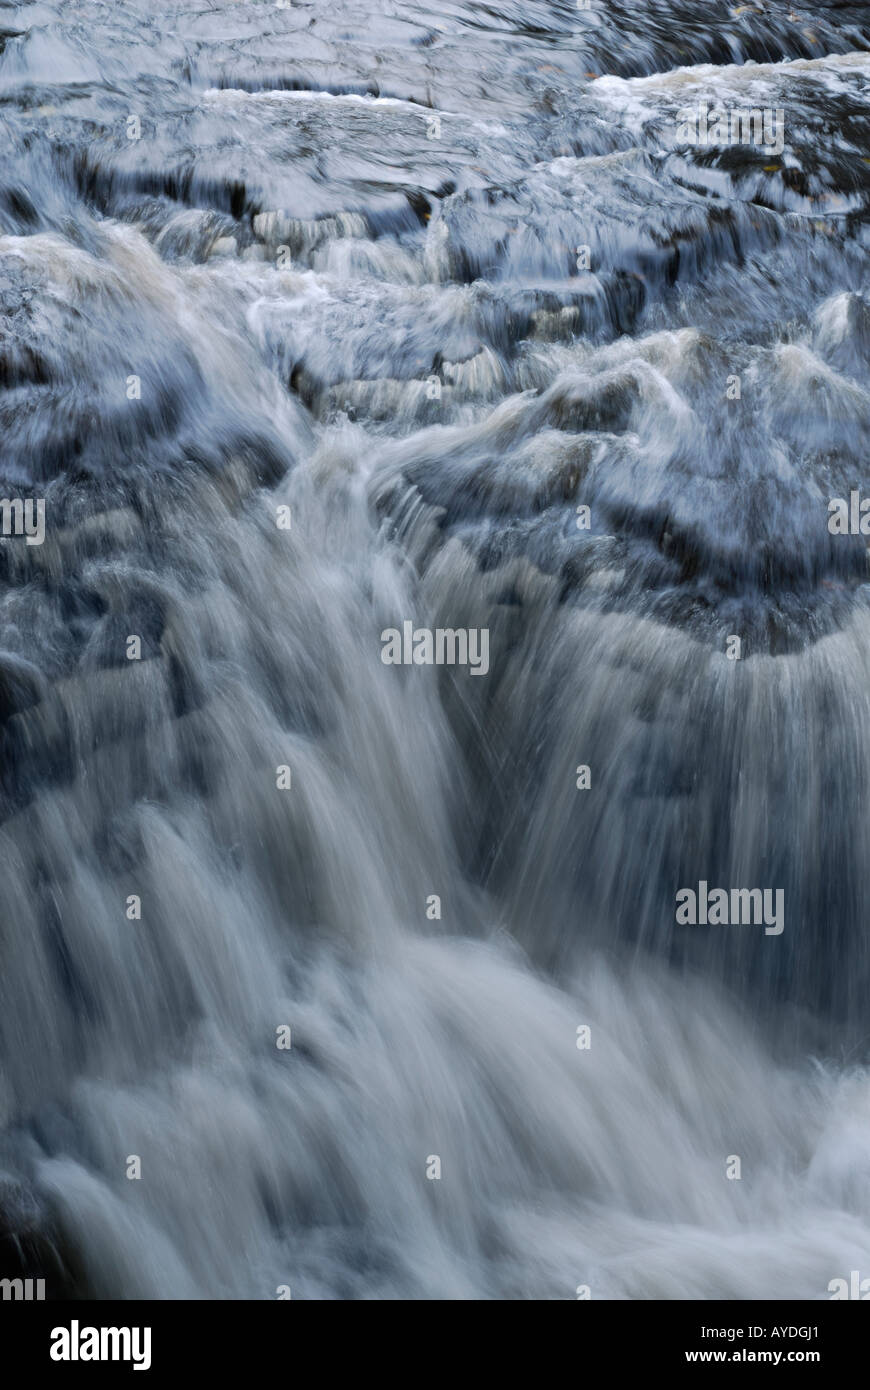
436 450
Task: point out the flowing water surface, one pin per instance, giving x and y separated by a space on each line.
433 277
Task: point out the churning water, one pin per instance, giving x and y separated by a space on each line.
322 318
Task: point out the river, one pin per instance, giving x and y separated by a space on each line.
321 318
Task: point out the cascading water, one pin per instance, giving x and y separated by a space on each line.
318 320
